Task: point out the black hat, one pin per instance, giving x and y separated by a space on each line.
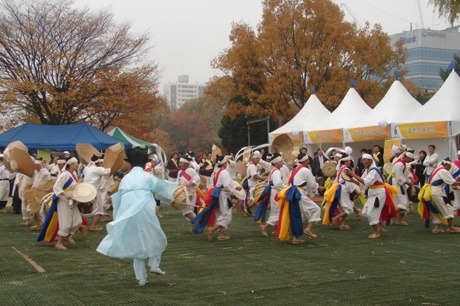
137 156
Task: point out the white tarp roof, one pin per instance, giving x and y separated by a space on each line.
396 106
351 109
308 118
443 106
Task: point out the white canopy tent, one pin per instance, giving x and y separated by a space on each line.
329 131
396 105
310 116
437 122
373 128
351 109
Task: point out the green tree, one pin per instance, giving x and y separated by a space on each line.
63 65
444 73
449 9
234 133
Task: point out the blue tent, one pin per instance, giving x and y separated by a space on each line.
58 137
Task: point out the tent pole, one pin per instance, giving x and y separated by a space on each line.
450 140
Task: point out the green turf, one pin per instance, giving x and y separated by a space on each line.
408 265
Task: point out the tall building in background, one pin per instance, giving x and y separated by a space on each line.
180 92
428 52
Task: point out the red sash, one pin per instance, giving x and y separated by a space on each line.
456 163
340 172
185 175
270 177
401 161
291 178
216 177
74 176
434 173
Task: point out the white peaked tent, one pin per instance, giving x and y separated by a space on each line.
437 122
396 105
351 109
329 133
309 117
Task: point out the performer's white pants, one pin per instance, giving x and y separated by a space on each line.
69 218
445 209
310 209
274 209
139 266
371 212
189 209
223 213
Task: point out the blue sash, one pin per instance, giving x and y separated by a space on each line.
51 211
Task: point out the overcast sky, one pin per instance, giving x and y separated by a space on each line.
188 34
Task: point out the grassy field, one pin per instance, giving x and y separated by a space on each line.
408 265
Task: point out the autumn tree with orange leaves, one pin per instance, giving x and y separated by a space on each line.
194 126
62 65
301 46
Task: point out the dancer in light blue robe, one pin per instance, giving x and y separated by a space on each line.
135 231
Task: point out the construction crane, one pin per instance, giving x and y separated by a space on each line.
352 15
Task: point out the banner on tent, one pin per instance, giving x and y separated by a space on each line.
324 136
436 129
366 133
387 148
295 139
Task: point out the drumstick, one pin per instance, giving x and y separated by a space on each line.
187 204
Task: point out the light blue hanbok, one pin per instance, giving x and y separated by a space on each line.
135 231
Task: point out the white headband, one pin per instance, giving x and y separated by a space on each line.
303 158
367 156
73 160
277 160
410 155
183 160
346 158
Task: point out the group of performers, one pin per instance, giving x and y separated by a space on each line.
385 197
286 197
